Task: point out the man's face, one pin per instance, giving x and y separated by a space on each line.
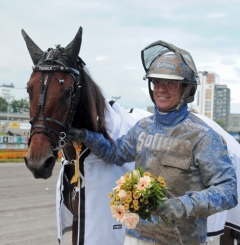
167 93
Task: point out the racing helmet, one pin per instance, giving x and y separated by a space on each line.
164 60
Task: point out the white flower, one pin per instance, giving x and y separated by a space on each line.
122 194
136 174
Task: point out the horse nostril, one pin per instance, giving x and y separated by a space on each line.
50 162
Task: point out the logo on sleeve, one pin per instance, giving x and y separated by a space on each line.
117 227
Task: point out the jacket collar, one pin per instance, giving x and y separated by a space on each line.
171 118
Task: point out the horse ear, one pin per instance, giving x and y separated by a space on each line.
73 48
35 52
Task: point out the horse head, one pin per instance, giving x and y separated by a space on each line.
62 94
54 90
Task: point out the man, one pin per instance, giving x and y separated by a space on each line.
177 145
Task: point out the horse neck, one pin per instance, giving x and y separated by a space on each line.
91 107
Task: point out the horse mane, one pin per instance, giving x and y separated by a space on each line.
91 108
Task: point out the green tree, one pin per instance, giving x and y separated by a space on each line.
19 105
221 123
3 105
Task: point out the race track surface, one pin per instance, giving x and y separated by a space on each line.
27 207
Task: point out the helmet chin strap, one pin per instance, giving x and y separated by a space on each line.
182 100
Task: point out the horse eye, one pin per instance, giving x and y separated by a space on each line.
68 93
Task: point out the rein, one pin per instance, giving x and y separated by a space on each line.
51 69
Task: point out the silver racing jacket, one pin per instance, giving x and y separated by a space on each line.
190 156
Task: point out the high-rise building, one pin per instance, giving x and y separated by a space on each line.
212 99
221 109
204 97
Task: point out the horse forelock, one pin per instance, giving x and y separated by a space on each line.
58 56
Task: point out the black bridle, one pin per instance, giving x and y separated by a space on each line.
50 65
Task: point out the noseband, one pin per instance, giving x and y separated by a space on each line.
51 69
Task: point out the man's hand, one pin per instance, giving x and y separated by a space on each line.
77 135
172 210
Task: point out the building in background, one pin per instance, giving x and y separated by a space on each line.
234 126
204 97
211 98
221 108
10 93
15 123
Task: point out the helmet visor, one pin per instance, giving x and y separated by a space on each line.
159 48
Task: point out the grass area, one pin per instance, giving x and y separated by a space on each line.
12 160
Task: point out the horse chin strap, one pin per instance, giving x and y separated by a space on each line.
44 128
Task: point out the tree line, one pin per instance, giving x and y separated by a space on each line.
16 106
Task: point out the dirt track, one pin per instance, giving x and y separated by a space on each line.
27 207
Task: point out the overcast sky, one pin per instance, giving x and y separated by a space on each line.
115 32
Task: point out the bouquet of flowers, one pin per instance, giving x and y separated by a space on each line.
136 194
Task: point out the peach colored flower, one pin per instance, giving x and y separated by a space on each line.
143 183
126 175
135 202
111 203
146 202
129 194
136 195
128 199
162 182
118 213
131 220
126 206
124 200
160 179
119 183
147 174
136 207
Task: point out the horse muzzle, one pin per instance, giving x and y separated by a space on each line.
44 167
